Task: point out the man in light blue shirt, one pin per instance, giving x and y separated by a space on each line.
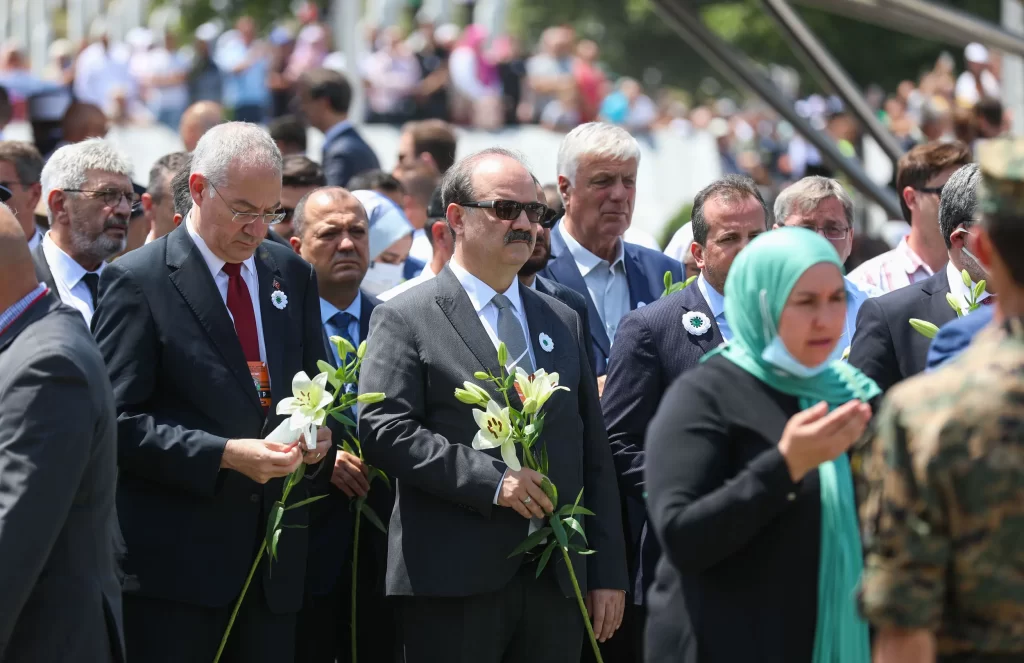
822 205
244 63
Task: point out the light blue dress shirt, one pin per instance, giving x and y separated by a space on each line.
328 310
716 302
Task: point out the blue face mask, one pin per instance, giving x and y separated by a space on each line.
778 356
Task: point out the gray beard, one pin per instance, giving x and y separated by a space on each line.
97 249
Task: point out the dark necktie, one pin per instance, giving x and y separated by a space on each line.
510 332
240 306
92 281
988 301
340 322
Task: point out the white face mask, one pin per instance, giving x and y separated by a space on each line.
381 277
778 355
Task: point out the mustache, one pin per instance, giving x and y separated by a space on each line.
345 255
116 220
518 236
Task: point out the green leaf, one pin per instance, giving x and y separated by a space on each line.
549 489
502 354
273 544
338 416
544 461
509 382
668 280
559 531
580 550
347 448
545 556
371 515
308 500
579 511
377 473
924 328
688 281
574 525
531 541
274 521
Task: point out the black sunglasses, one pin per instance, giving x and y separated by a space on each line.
509 210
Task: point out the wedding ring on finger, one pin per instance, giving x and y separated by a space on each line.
527 500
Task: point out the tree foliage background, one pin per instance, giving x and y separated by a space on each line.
634 39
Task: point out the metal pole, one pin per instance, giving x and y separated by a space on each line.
1013 67
826 66
721 56
347 29
971 28
39 41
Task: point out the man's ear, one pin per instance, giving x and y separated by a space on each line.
296 244
57 205
697 251
910 197
177 219
147 203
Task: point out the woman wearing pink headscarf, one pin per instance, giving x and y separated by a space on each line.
475 80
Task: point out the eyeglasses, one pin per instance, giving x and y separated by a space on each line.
20 185
288 212
248 218
111 197
937 190
830 232
509 210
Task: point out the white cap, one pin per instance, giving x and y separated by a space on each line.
447 33
388 222
719 127
976 53
139 38
207 32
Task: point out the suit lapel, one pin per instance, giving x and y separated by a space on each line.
936 287
538 318
457 307
274 322
191 276
639 285
43 272
563 269
365 311
691 299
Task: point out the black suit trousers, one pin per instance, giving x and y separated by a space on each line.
258 635
529 620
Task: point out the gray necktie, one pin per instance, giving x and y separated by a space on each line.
510 332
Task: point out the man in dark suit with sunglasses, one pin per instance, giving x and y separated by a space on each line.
597 169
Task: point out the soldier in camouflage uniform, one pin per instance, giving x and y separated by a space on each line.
944 518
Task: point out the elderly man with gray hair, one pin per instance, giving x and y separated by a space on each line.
597 171
202 331
822 205
88 190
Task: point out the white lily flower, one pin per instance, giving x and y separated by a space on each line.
535 389
496 431
307 405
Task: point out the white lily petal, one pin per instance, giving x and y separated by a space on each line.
325 401
320 418
287 405
480 417
481 441
310 434
508 454
300 382
320 380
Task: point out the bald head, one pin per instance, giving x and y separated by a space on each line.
197 119
332 233
17 273
317 202
83 121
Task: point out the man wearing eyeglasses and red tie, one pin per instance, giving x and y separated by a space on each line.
202 331
89 195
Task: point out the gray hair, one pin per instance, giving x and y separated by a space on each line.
234 143
805 195
457 183
959 201
595 139
67 167
730 188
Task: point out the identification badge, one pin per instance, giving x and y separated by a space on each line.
261 378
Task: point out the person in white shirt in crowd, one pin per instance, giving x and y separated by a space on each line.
166 81
20 168
920 176
391 74
89 195
822 205
441 241
549 72
102 69
679 249
978 81
245 64
390 239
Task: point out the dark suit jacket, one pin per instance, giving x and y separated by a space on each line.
331 519
570 298
273 236
61 598
347 155
645 272
447 538
182 390
43 272
954 336
885 346
412 267
652 349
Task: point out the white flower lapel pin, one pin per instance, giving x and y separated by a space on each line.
546 344
696 323
278 298
641 304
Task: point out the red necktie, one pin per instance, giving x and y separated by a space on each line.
988 301
240 306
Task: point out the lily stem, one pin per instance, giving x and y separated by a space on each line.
238 603
355 568
583 606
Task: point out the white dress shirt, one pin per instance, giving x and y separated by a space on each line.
606 282
959 290
67 276
481 294
248 272
422 277
35 239
421 248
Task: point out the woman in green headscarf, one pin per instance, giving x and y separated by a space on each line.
749 486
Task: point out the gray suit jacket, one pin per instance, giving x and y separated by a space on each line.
446 537
60 598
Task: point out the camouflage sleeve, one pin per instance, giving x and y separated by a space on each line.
907 548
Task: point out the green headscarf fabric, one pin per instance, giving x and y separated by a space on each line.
759 284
